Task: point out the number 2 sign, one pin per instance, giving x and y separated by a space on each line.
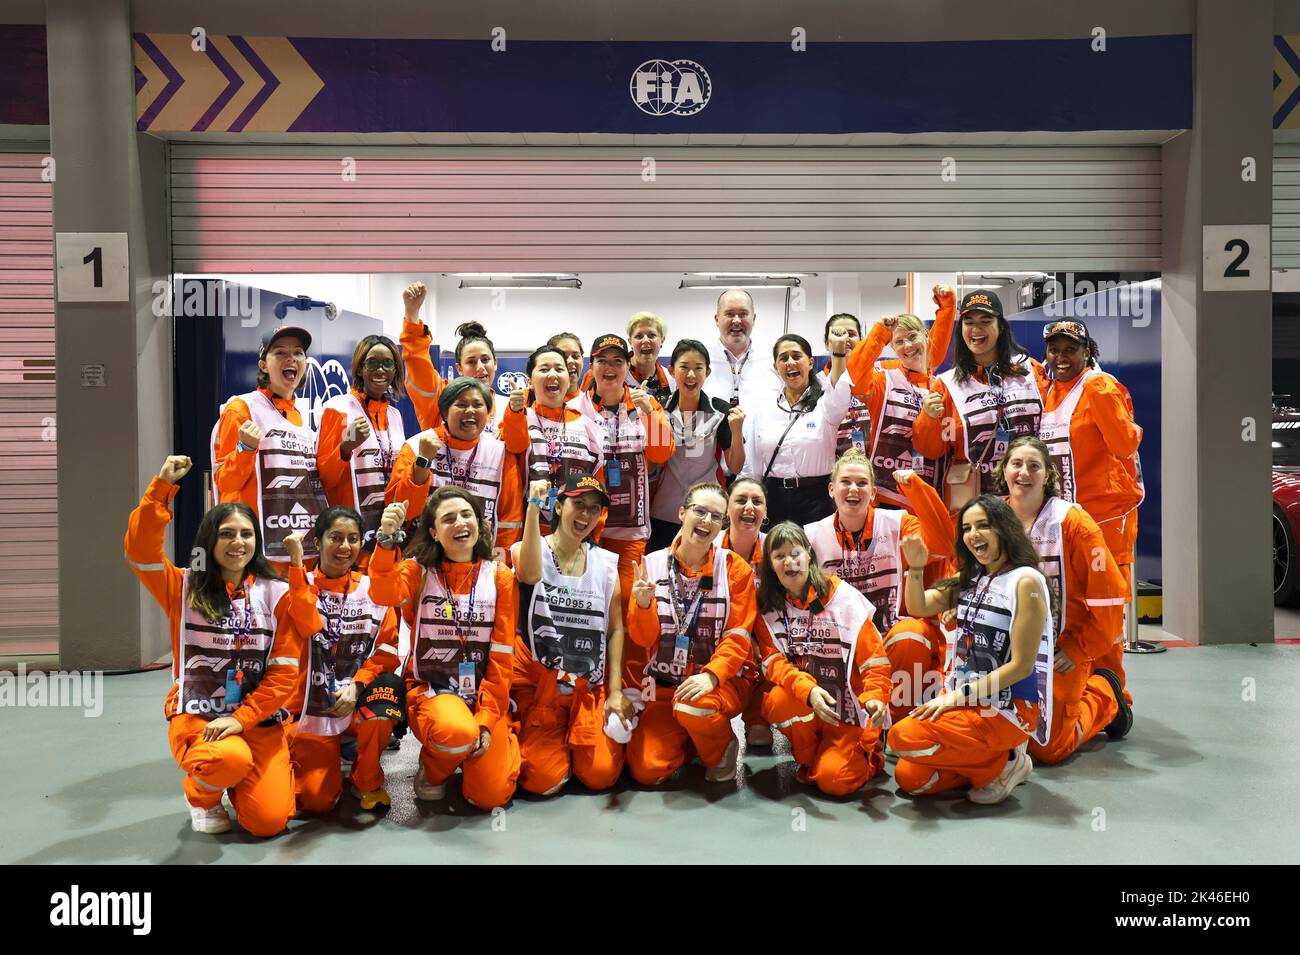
91 266
1236 258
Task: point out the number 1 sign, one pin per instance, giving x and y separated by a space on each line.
91 266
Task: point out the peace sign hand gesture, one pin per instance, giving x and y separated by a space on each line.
643 588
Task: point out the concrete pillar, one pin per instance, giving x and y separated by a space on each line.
1217 345
108 179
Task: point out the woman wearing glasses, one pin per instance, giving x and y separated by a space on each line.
790 433
361 433
978 406
999 692
692 609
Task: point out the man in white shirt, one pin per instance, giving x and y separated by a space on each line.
732 365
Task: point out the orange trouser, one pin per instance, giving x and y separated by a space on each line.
629 554
839 759
253 765
316 772
915 647
1082 706
967 745
561 734
754 713
1121 541
669 729
448 732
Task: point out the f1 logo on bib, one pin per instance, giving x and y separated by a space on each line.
670 87
284 480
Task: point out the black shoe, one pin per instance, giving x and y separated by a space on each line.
1119 727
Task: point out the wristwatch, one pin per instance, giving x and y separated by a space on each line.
390 540
421 462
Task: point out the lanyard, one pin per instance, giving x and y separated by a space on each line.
852 543
813 607
554 447
684 618
737 371
243 634
469 464
332 634
550 549
457 625
968 624
606 420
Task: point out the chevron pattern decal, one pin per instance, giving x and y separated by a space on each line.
237 84
1286 82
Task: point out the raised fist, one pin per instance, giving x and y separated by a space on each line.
250 435
413 299
174 468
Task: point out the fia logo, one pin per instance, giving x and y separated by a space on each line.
670 87
508 381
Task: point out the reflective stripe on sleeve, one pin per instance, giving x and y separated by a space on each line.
873 662
145 567
282 662
739 631
908 636
503 648
1105 601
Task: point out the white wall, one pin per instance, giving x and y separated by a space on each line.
521 319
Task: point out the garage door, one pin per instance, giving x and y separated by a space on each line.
248 209
29 606
1286 206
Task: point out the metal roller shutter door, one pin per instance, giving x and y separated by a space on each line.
1286 206
29 606
256 209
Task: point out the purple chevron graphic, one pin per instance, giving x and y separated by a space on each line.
269 80
174 81
234 82
139 79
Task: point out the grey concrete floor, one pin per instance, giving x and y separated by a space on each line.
1206 776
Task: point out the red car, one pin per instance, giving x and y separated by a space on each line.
1286 533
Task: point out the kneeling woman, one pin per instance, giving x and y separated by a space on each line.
859 543
999 692
236 643
830 673
693 611
350 682
461 607
568 664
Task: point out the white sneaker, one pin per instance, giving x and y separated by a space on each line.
725 771
427 791
1013 774
212 821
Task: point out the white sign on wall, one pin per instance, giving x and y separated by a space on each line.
1236 258
91 266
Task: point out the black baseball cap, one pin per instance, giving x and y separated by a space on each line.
284 331
981 301
383 699
576 484
606 342
1069 327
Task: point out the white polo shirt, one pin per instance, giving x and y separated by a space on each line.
809 447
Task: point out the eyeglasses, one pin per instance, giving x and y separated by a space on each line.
380 364
704 514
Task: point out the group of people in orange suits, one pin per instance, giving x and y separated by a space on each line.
959 608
